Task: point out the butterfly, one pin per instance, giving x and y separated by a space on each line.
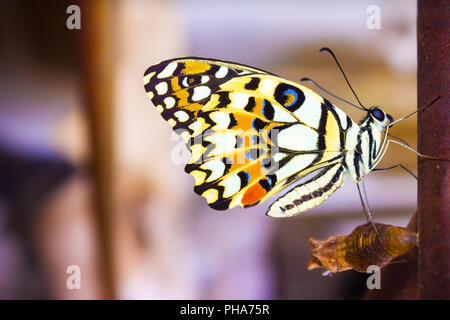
253 134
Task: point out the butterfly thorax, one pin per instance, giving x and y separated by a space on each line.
363 144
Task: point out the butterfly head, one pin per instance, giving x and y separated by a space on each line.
380 117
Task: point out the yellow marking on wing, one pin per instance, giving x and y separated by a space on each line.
194 107
332 130
197 153
174 84
211 195
199 177
185 136
182 96
193 67
148 77
171 122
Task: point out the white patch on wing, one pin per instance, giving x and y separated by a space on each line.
267 86
182 116
222 72
232 185
168 70
277 157
222 119
161 88
239 100
169 102
296 164
204 79
194 125
342 117
200 93
217 168
298 137
243 72
224 143
310 111
281 115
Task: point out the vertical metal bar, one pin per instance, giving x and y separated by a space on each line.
97 83
433 29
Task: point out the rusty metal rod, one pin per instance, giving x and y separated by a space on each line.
97 83
433 29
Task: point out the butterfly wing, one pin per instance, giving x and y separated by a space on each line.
180 87
251 133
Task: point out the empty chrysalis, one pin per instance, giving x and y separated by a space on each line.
361 248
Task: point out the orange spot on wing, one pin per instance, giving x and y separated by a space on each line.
253 195
258 106
289 99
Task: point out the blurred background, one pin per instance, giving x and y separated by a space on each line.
87 176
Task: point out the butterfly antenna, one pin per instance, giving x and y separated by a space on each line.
422 108
343 73
331 94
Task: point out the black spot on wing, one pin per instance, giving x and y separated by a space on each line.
250 104
267 110
233 121
289 96
245 178
221 205
224 99
253 84
258 124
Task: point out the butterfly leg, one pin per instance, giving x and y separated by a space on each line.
395 166
366 207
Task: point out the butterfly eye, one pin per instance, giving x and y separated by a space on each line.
378 114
